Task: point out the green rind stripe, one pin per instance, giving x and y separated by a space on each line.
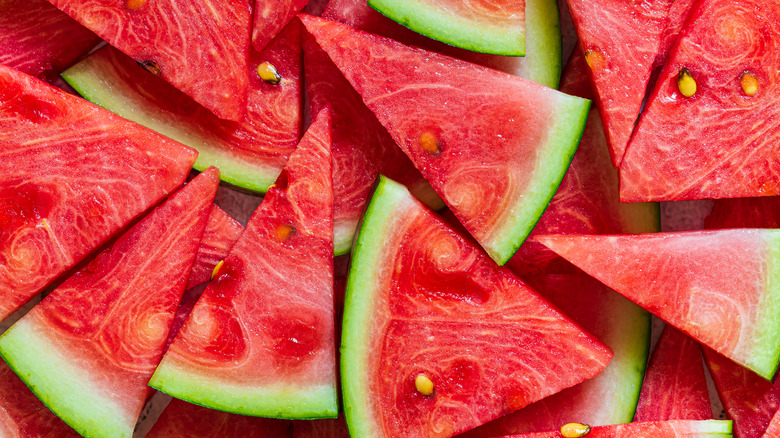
62 383
544 47
714 427
461 31
765 349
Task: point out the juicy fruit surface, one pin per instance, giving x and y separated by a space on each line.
509 161
222 231
271 16
745 213
653 429
423 300
200 46
71 176
675 23
731 149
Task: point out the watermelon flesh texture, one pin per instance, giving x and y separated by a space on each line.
486 340
675 22
200 47
670 158
222 231
675 387
250 153
745 213
652 429
497 178
271 16
35 37
773 431
260 340
481 25
89 170
89 348
727 306
326 428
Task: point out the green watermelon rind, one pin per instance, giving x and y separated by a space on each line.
712 428
60 383
544 44
765 352
456 30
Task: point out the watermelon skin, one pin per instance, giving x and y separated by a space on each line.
675 387
88 170
187 42
653 429
518 165
670 158
271 16
477 341
222 232
89 348
36 37
251 153
243 350
730 309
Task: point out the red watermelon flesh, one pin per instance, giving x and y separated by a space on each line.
731 149
222 231
745 213
653 429
690 280
773 431
326 428
89 348
243 349
182 419
35 36
675 387
199 46
675 22
67 167
271 16
620 40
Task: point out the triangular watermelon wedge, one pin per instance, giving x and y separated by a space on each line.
199 46
71 176
651 429
271 16
89 348
722 287
261 339
497 172
436 338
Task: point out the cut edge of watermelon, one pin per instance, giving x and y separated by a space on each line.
764 361
26 347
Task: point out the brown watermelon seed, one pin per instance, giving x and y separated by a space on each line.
424 385
215 272
686 83
749 83
283 232
429 143
575 430
151 67
135 5
268 73
594 59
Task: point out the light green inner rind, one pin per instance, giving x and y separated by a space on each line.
289 401
714 428
62 383
765 351
94 78
555 156
461 31
543 62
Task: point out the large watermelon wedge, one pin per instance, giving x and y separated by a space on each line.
260 340
653 429
89 348
691 280
271 16
722 141
496 174
71 176
250 154
199 46
436 338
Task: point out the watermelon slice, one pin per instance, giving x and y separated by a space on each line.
773 431
35 36
690 280
478 25
326 428
251 153
745 213
180 419
675 22
71 176
89 348
675 387
425 308
653 429
200 47
222 231
498 175
728 49
271 16
242 349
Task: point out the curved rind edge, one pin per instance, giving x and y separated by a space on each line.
544 44
765 352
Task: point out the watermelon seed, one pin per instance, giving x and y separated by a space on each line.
135 5
575 430
268 73
594 59
749 83
686 83
151 67
216 269
424 385
429 143
283 232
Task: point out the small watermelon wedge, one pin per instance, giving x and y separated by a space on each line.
652 429
690 280
436 338
714 136
675 387
89 348
71 176
271 16
222 232
201 47
498 174
243 350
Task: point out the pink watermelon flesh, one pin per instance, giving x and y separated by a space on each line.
35 36
731 149
620 40
773 431
653 429
690 280
180 419
102 332
201 47
675 387
271 16
243 349
327 428
675 22
745 213
72 175
498 175
222 231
